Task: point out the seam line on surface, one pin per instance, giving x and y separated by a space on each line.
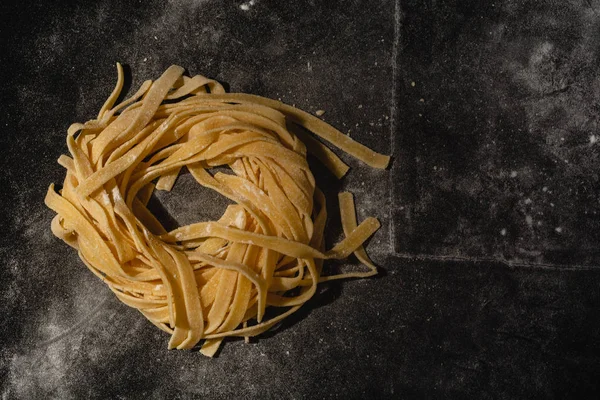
393 121
508 263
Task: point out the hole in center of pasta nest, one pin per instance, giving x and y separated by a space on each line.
188 202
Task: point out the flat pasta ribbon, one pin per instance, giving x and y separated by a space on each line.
213 279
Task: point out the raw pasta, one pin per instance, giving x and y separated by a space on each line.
213 279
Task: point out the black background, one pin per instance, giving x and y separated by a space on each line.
489 241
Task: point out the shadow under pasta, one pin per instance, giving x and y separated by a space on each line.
187 203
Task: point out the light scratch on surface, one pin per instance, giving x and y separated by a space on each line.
75 327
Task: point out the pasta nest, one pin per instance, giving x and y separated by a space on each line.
208 280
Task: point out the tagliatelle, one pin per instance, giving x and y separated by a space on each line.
213 279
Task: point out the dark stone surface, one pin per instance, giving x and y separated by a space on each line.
501 84
497 131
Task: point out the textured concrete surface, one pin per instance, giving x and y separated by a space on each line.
498 131
488 247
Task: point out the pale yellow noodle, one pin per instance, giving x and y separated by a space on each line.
208 280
